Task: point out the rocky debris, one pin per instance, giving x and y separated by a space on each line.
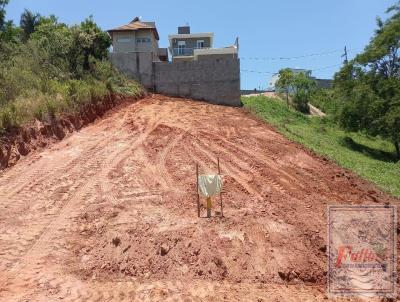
126 249
116 241
164 249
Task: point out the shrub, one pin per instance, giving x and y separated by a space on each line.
326 100
51 107
300 102
55 69
9 117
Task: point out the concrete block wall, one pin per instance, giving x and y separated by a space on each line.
135 65
216 81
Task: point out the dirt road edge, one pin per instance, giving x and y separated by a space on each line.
40 134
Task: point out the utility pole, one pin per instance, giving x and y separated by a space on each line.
346 61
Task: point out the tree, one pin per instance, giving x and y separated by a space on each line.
54 41
88 41
298 86
371 85
302 87
8 32
3 4
284 82
29 21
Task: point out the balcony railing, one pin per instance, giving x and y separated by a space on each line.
183 52
176 52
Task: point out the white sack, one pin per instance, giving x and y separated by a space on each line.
209 185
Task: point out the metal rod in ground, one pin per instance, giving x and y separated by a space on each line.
209 207
222 210
197 190
220 195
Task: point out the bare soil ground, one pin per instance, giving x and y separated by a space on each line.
109 213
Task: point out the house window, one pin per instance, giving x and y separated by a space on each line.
200 43
181 47
143 40
124 40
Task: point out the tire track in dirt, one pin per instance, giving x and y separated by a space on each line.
231 168
116 163
54 168
62 171
56 220
249 169
88 162
107 165
204 158
162 158
49 169
258 164
133 179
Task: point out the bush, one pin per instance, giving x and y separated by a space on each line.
78 92
300 102
102 70
10 117
51 107
326 100
370 157
6 119
55 69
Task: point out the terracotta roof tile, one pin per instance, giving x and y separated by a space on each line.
133 26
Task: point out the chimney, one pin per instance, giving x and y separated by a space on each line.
182 30
153 24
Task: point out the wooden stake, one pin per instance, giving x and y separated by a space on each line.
220 194
197 190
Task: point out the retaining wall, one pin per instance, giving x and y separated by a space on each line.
215 80
136 65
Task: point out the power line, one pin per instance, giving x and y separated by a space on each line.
326 67
292 58
270 72
299 57
255 71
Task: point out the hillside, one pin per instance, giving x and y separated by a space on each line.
110 212
372 158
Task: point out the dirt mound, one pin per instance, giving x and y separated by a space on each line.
109 213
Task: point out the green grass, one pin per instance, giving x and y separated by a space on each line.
67 97
369 157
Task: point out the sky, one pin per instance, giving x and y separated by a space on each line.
269 31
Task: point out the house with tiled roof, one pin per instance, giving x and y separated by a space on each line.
198 70
137 36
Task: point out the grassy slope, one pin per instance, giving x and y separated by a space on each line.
371 158
68 97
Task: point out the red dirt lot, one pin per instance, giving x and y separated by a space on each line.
109 213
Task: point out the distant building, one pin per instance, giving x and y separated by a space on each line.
275 77
324 83
187 46
206 73
321 83
138 37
